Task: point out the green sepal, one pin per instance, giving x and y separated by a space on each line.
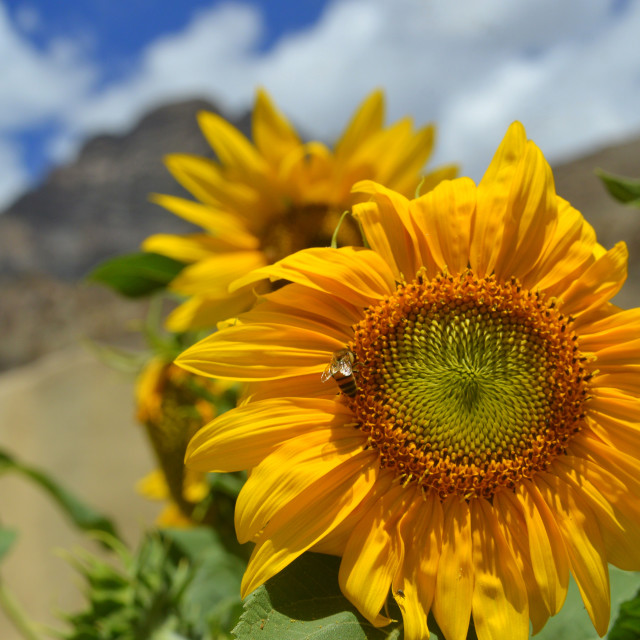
625 190
304 601
137 274
81 515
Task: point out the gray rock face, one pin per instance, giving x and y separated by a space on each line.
97 206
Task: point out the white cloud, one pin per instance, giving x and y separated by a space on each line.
211 58
568 70
38 85
36 88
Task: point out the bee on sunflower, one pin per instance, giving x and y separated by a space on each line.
491 447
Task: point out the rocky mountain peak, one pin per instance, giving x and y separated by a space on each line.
97 206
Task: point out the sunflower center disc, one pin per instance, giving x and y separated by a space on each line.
310 225
466 385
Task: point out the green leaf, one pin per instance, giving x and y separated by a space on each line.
82 515
181 584
627 625
7 538
137 274
304 601
625 190
215 589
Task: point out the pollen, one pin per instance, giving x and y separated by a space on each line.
466 385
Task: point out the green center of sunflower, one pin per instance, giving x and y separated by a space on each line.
466 385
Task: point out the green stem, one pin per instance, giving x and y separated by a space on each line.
13 611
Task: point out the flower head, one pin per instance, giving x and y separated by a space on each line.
490 447
263 201
173 404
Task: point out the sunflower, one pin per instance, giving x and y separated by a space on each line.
489 446
173 404
259 203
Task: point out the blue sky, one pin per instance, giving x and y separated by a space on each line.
570 70
115 34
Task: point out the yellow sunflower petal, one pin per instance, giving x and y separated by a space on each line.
356 275
154 486
617 513
454 582
618 355
213 274
617 329
335 542
568 253
409 160
619 433
231 146
309 517
272 133
225 226
306 175
242 437
615 403
599 283
513 527
584 545
627 381
204 312
203 178
383 149
299 300
608 457
305 386
365 122
531 217
432 179
287 472
260 352
549 558
370 559
443 216
499 602
172 517
187 248
492 201
420 531
309 322
387 225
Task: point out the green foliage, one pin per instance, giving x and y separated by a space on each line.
180 585
137 274
81 515
625 190
304 601
7 538
573 620
627 625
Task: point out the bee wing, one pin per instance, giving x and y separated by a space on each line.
327 373
344 367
